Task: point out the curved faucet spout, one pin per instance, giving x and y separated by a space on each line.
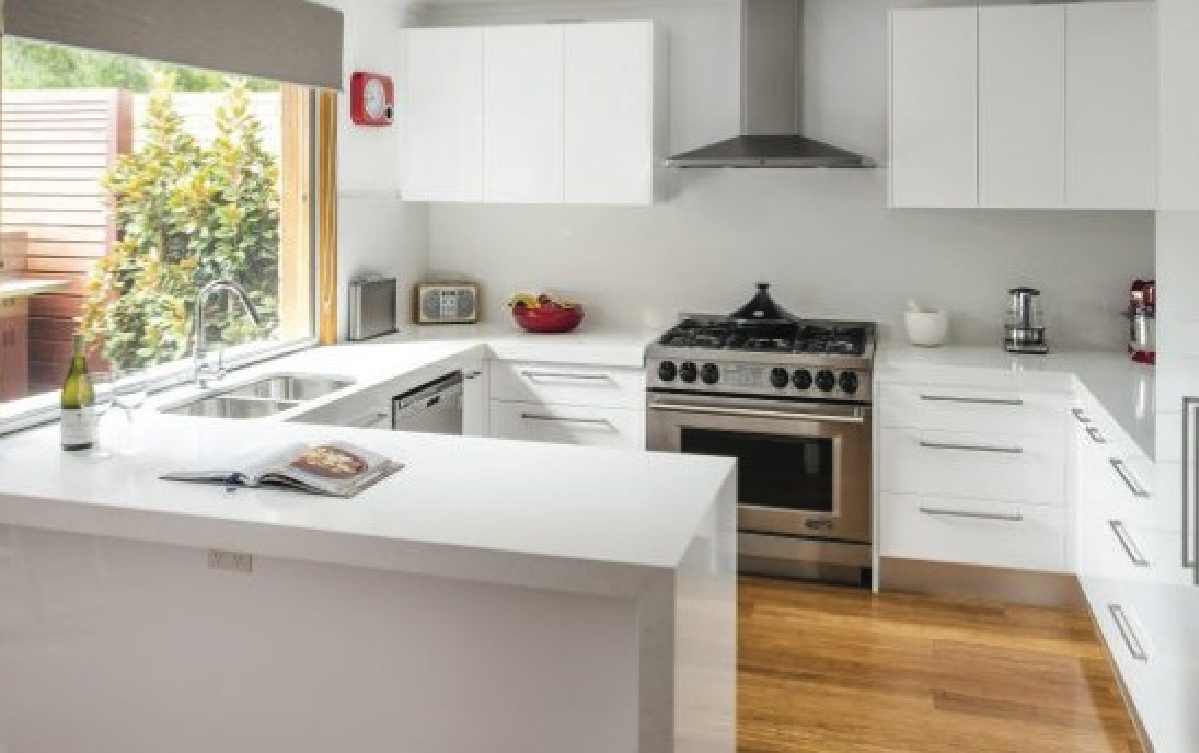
202 372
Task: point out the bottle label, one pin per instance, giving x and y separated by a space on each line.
78 427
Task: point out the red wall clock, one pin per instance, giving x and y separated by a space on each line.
372 99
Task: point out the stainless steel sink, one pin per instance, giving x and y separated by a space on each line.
290 387
227 406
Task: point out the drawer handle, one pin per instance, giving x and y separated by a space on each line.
1130 547
972 400
1004 517
1135 647
1133 485
1096 436
605 423
972 448
373 418
534 376
1081 415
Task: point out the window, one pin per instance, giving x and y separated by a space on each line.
125 187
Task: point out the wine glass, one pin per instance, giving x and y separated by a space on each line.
103 396
131 390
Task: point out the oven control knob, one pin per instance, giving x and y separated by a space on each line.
848 382
802 379
687 372
667 371
710 373
826 380
779 378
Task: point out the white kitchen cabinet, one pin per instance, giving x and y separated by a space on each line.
1178 166
523 106
441 114
612 116
586 425
934 107
476 413
1111 106
1021 106
546 114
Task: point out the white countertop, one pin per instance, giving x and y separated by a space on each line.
463 507
1123 388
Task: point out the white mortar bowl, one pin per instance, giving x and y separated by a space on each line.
927 329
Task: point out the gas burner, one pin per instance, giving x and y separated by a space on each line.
691 333
848 341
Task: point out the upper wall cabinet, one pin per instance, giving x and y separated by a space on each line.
1178 28
544 114
1024 107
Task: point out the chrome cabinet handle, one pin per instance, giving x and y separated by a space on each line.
972 448
564 420
1190 514
856 417
1130 547
1003 517
1130 481
1095 435
534 376
1135 648
1081 415
972 400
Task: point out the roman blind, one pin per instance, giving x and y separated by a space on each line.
292 41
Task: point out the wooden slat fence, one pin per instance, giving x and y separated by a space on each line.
55 146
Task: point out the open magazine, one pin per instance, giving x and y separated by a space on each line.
336 469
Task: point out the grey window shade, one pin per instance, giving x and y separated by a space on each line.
285 40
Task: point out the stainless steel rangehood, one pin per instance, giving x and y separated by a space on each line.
771 98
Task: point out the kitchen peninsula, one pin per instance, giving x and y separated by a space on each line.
498 596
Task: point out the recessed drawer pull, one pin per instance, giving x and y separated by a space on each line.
558 376
564 420
1130 547
972 448
1096 436
1081 415
1135 648
1004 517
1133 485
972 400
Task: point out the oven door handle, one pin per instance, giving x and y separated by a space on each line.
855 418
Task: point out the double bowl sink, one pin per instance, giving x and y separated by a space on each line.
261 398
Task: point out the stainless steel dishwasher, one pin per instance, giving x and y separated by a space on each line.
433 408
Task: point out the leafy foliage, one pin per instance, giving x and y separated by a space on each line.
39 65
186 215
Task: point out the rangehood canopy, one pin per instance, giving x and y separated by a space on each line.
771 98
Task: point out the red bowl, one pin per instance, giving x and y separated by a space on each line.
548 320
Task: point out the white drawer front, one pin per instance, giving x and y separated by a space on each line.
978 466
996 534
596 427
971 409
561 384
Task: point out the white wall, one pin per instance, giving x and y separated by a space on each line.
824 238
376 231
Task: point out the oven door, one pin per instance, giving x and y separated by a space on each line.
803 468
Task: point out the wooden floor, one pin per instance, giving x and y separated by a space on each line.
831 670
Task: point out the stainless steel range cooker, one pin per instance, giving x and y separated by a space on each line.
790 399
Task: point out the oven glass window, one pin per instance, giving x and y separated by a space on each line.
792 473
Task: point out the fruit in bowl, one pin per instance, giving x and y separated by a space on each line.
545 314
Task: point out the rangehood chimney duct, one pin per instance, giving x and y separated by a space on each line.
771 98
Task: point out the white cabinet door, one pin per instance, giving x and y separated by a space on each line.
593 426
1111 106
934 107
610 113
1021 106
1178 30
441 113
476 413
522 102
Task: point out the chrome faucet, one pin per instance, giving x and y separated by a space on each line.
203 372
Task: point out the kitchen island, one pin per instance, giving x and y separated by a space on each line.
497 596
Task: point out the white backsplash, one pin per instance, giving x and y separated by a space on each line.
825 239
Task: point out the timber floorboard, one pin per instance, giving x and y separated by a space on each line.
831 670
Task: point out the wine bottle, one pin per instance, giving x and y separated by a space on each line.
78 401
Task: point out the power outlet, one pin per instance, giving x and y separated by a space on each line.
237 562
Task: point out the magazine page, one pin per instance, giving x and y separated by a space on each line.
333 468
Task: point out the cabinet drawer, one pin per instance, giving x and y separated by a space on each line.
561 384
978 466
995 410
996 534
596 427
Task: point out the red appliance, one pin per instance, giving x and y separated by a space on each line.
1142 318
